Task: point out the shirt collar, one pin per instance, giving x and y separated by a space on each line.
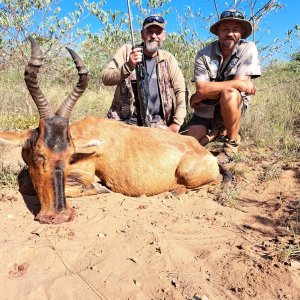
160 55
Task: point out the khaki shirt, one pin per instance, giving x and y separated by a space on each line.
173 91
209 63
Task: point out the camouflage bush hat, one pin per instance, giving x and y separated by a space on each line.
154 20
235 15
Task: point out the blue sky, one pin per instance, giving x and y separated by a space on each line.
271 27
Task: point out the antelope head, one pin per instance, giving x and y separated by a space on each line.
47 153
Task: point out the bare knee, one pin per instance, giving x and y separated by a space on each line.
230 94
230 97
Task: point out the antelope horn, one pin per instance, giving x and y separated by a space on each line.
31 71
67 106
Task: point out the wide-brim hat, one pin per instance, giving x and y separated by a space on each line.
233 15
154 20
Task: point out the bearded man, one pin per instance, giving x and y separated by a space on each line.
167 89
222 75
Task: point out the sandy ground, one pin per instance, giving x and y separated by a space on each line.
160 247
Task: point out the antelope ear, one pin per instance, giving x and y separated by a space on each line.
74 158
84 146
85 149
15 138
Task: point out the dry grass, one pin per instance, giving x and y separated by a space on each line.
273 118
91 103
291 251
18 111
9 176
272 171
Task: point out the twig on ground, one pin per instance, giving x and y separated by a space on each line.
65 262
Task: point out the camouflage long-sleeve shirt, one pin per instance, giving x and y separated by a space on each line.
170 82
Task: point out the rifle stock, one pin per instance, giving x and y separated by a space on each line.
143 94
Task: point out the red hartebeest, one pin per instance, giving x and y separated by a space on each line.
67 160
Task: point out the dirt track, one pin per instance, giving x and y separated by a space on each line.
162 247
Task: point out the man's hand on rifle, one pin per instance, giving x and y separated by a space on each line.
135 57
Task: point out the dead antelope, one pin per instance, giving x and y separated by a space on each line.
68 160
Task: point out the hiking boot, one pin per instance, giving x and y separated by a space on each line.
231 146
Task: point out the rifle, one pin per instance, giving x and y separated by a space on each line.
141 85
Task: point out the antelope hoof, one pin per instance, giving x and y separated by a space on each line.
56 217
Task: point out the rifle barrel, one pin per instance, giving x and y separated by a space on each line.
130 23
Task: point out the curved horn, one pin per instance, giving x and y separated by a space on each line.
31 71
67 106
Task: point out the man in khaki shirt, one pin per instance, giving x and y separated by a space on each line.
223 72
166 103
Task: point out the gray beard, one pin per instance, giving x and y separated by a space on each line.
224 45
151 48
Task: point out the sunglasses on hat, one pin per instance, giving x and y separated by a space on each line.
232 14
152 19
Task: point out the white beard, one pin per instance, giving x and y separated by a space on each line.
151 47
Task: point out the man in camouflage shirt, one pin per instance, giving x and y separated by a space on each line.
166 105
223 72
